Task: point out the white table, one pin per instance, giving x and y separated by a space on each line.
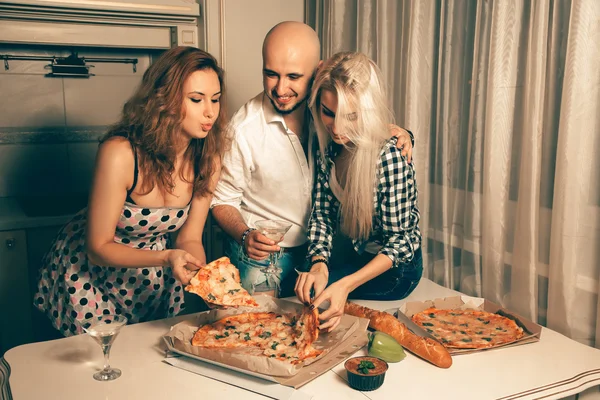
553 368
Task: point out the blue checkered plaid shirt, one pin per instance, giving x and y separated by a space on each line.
396 216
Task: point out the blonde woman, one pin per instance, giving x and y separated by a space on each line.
365 195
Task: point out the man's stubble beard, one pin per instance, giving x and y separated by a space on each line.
299 104
291 110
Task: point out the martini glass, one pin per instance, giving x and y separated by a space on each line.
274 230
104 330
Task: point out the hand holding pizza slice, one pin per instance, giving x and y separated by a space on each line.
218 283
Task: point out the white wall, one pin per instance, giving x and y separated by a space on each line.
234 31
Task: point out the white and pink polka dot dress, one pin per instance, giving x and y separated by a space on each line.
71 288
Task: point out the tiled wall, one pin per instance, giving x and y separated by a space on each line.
42 150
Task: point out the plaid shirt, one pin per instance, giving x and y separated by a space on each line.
395 218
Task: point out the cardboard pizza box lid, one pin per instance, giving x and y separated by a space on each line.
532 330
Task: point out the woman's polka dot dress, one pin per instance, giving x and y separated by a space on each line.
71 288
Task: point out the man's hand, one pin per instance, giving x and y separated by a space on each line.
404 141
258 246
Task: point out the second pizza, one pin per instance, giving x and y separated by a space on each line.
469 328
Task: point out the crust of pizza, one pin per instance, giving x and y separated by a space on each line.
468 329
245 318
426 348
280 336
218 283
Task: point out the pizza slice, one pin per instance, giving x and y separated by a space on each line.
306 331
218 283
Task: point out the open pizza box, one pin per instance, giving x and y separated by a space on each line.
345 340
532 331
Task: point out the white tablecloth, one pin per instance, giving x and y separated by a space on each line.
62 369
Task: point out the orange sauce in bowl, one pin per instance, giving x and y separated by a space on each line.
353 363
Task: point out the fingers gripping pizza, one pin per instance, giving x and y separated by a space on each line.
468 329
219 283
280 336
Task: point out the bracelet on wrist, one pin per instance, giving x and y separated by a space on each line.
412 138
319 260
244 237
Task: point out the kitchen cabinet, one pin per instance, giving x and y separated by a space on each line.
21 253
15 293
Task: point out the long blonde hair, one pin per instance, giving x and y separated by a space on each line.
363 116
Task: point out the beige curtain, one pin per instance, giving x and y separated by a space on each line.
504 100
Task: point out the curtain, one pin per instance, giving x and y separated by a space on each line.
504 100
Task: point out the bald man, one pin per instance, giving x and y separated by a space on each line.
268 173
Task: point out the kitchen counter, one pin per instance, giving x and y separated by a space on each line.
14 217
553 368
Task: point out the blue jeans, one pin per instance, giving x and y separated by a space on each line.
394 284
253 280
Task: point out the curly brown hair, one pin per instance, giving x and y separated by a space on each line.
152 117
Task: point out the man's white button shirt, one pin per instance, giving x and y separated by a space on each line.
265 174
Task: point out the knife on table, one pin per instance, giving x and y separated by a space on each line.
414 328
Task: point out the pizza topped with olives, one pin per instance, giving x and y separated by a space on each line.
468 329
218 283
280 336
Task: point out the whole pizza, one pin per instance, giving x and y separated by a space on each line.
469 328
286 337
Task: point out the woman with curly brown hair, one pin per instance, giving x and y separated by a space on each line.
155 173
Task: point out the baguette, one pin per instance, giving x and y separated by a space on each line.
427 349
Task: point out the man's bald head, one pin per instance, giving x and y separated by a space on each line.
291 54
293 34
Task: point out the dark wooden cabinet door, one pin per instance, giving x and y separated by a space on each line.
15 293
